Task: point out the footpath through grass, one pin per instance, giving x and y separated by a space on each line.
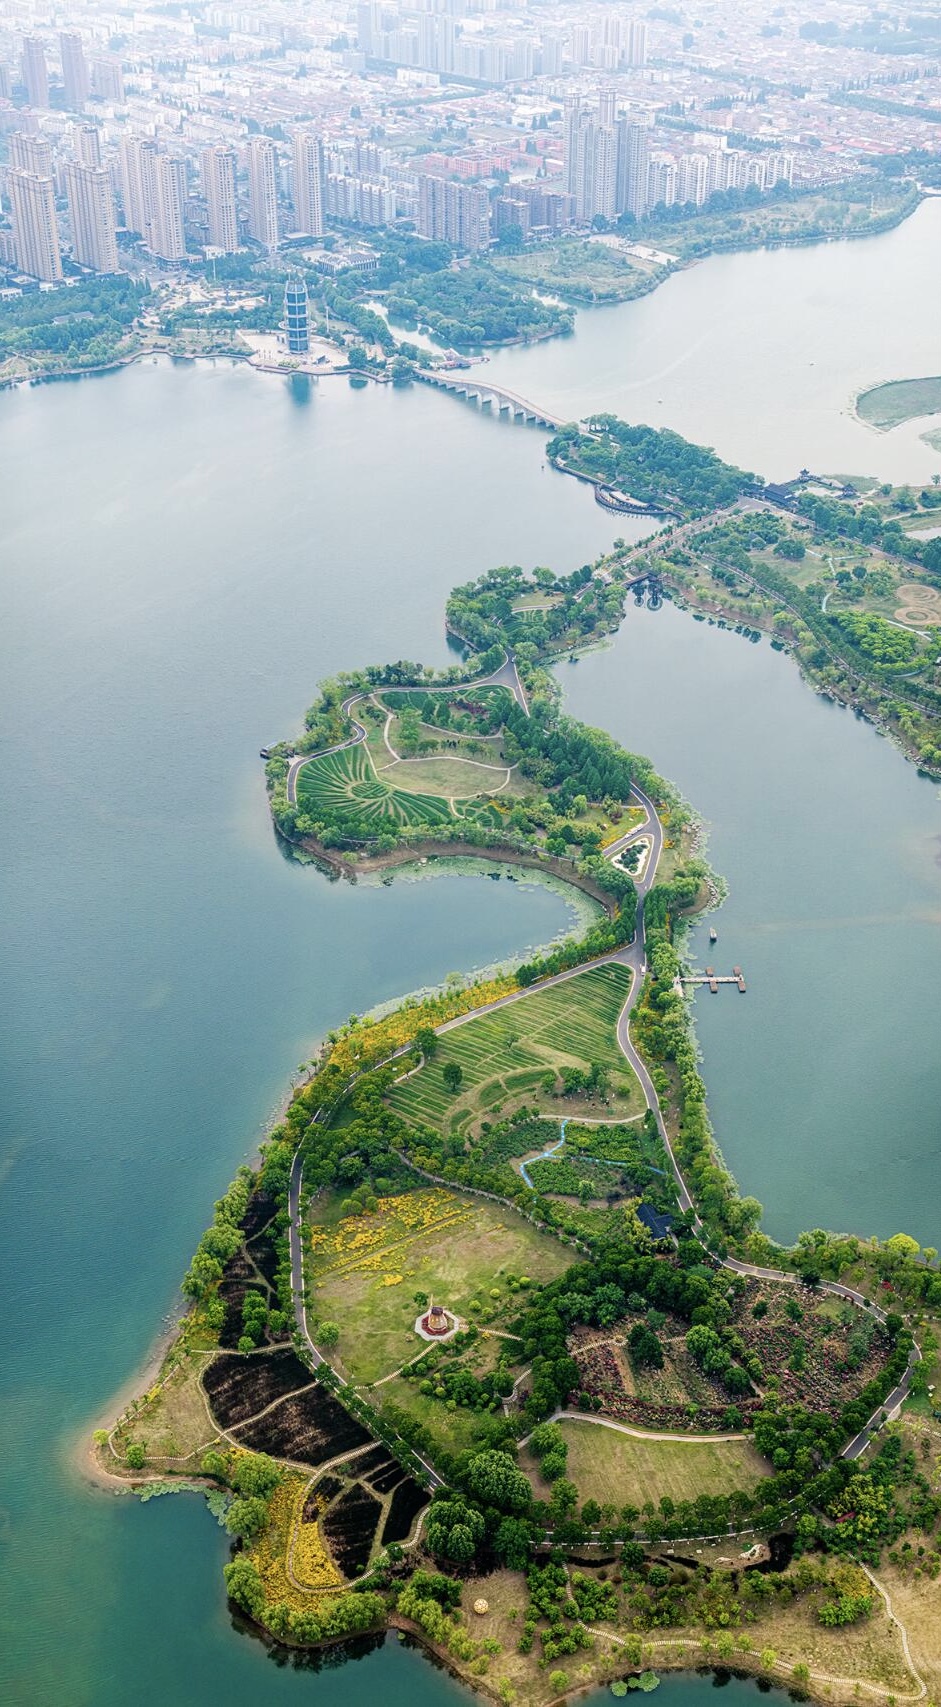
512 1056
606 1465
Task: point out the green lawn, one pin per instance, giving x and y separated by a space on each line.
503 1057
608 1466
886 406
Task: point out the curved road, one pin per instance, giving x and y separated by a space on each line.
632 955
507 676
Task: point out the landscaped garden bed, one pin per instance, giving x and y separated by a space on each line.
311 1427
406 1503
350 1527
239 1387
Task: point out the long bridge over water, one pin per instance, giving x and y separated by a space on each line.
481 392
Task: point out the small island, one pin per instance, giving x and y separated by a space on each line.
488 1348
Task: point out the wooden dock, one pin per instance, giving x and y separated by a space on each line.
714 979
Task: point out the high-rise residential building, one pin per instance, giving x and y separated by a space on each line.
154 193
107 80
218 175
6 83
35 233
91 210
35 74
263 191
635 46
74 71
308 183
661 181
88 144
30 152
692 179
167 238
632 167
592 145
138 183
296 317
454 213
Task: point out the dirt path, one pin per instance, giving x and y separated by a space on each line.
643 1433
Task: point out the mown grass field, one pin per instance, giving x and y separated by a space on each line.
365 1270
608 1466
503 1057
454 778
345 782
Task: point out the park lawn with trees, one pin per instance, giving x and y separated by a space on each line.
580 269
555 1050
746 219
653 466
84 325
365 1271
604 1463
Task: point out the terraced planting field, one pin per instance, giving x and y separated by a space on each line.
365 1270
505 1056
345 783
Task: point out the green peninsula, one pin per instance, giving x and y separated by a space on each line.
488 1347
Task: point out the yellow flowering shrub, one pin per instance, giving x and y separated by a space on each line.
287 1536
363 1244
372 1040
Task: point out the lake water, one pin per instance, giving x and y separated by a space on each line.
186 552
761 355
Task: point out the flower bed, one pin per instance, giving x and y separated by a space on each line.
362 1244
825 1379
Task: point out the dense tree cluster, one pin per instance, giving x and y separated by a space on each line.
655 466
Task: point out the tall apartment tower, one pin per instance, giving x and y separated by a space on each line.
308 183
263 191
167 238
218 175
88 144
74 71
454 213
138 183
296 317
154 191
91 208
33 203
635 47
632 168
107 80
35 74
30 152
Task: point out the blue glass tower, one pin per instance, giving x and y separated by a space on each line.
296 315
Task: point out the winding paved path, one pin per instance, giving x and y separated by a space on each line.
632 955
507 676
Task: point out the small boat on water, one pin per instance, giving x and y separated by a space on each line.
713 934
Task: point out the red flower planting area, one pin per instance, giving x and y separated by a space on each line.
812 1351
822 1358
602 1375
